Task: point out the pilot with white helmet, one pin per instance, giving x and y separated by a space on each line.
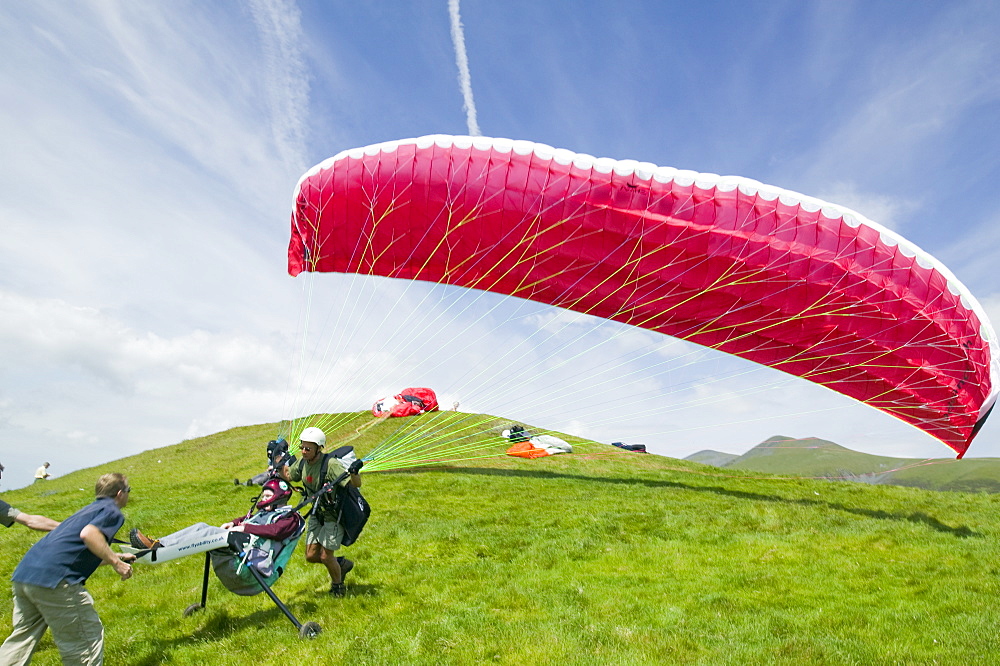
324 534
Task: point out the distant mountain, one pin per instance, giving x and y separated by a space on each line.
713 458
821 459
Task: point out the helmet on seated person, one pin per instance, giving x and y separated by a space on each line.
280 492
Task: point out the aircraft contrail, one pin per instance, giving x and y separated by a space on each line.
462 60
279 24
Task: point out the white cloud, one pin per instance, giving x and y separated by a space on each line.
991 304
974 256
286 77
907 102
53 334
117 387
889 211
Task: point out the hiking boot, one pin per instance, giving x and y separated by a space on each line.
338 589
345 566
140 540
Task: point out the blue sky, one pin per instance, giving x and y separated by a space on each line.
150 152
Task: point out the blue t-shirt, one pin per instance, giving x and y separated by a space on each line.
61 555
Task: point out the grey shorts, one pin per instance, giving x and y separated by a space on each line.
329 535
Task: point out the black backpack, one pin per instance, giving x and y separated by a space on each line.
354 513
275 448
346 503
519 434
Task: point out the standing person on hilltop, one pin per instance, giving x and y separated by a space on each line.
42 473
9 515
324 534
48 583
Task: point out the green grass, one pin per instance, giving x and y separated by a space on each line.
967 475
783 455
599 557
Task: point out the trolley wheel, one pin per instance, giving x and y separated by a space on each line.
309 630
192 609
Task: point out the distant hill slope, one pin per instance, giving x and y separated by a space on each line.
713 458
822 459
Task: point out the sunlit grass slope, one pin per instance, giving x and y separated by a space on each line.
813 457
817 458
599 557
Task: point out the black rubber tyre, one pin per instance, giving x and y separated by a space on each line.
310 630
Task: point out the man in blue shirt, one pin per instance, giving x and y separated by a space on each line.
48 583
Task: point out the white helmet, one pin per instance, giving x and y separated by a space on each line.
314 435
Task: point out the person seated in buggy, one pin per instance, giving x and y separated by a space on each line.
263 541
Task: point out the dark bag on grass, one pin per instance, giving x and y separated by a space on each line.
519 434
345 503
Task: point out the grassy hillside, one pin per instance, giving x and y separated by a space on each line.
599 557
967 475
818 458
813 457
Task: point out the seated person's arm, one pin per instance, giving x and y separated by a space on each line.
279 530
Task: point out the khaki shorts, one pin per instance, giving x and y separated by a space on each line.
328 535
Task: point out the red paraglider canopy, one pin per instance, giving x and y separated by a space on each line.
408 402
769 275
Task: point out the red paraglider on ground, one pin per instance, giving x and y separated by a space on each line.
408 402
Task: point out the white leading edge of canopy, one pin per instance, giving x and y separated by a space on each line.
648 171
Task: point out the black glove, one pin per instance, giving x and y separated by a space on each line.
356 466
